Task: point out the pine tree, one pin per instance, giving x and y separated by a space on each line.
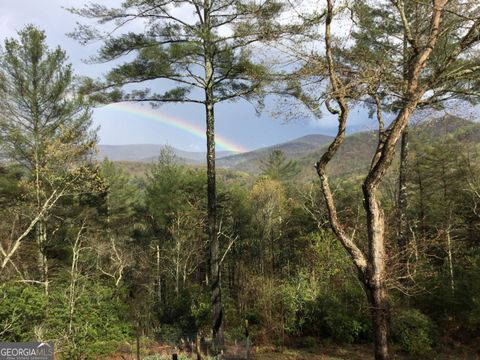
207 59
276 167
45 127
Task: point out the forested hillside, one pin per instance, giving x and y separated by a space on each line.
325 247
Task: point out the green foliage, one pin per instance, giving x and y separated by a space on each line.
345 316
184 315
10 186
49 115
97 325
342 327
122 193
170 187
201 308
413 331
177 48
276 167
22 309
468 292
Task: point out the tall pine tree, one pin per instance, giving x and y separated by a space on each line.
203 48
45 127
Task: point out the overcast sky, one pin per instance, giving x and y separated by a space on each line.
236 122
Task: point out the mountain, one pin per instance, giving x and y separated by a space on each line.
449 125
251 161
149 152
353 157
355 154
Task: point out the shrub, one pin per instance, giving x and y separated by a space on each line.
22 308
344 327
344 316
98 325
413 331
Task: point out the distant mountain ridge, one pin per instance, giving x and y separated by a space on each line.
147 153
353 157
227 159
293 149
355 154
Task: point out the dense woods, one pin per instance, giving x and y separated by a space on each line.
368 240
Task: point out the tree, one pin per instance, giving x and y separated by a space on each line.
207 52
269 201
276 167
45 128
371 69
176 210
119 210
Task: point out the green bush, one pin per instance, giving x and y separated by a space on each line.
98 325
343 327
22 309
344 316
413 331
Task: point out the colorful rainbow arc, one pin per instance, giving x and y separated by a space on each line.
161 117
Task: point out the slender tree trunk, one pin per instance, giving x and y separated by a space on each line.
402 176
74 276
41 231
41 238
402 191
217 324
138 339
450 260
198 349
177 271
159 279
272 250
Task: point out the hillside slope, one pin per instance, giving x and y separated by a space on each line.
251 161
355 154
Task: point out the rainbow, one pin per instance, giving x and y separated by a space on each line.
163 118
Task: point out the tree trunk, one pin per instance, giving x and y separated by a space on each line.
41 238
158 276
375 274
217 318
217 312
421 196
450 260
217 324
138 339
402 192
198 350
377 296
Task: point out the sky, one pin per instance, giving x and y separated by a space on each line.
238 126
